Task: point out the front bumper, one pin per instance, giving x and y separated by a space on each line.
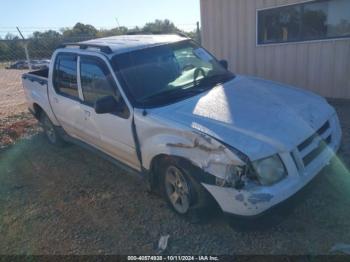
254 200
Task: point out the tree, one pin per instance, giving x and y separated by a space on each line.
80 32
122 30
160 27
42 44
4 51
10 36
134 30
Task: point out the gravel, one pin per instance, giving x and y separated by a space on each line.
70 201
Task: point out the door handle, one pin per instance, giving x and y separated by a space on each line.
55 99
87 113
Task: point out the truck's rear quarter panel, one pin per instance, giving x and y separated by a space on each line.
36 91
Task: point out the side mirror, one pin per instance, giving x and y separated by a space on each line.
224 63
107 105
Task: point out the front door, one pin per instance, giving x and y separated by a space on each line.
111 133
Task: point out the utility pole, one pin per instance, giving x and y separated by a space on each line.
116 19
25 48
199 38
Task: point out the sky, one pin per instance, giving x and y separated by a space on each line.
41 15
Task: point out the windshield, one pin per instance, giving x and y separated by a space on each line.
168 73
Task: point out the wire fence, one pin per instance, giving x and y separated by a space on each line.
41 42
12 51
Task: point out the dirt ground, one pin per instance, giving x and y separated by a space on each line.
15 121
69 201
12 100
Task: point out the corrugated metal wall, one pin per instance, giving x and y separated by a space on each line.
229 31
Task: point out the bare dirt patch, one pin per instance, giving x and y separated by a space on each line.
15 120
12 99
13 128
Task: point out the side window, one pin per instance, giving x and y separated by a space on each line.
65 76
97 82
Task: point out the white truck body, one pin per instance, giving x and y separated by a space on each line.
233 124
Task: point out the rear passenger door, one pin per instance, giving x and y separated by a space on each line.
111 133
65 101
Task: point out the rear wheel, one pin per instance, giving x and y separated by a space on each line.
50 131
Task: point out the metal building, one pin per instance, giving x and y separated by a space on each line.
298 42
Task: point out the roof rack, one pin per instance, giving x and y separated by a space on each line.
103 49
179 33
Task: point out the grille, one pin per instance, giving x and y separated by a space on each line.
312 147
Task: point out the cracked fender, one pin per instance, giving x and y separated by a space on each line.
201 150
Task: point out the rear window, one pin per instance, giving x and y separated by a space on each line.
65 76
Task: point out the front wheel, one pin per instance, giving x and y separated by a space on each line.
181 191
177 189
50 131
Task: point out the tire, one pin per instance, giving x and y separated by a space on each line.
50 131
183 194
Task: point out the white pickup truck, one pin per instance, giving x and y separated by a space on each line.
164 107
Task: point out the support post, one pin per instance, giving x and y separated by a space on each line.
25 49
199 38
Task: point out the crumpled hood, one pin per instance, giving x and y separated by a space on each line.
256 116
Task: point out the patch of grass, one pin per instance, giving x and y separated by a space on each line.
3 65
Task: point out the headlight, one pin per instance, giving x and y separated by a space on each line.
270 170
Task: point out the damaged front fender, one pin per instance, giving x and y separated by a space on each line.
201 150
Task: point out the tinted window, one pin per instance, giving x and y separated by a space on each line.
65 76
97 82
279 25
316 20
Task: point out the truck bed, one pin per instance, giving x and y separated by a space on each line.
39 76
35 86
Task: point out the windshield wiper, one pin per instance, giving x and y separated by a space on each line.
173 94
214 80
191 89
